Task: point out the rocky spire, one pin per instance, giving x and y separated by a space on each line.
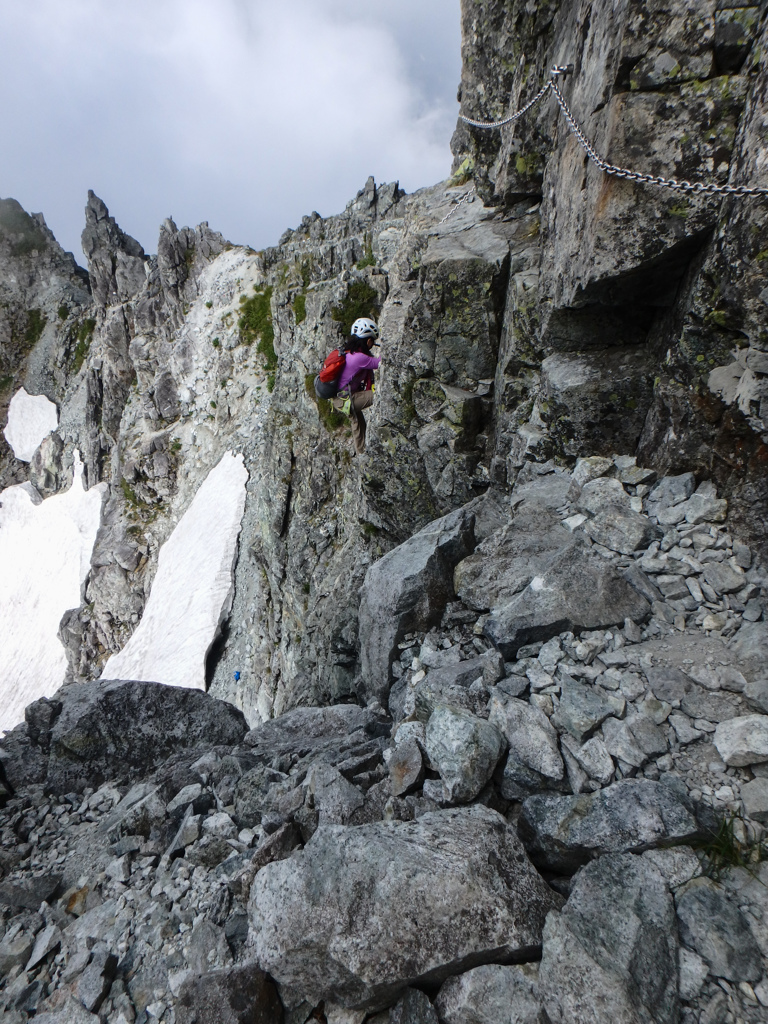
115 260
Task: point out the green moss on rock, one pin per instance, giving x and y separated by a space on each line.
361 300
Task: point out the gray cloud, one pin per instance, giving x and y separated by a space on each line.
244 113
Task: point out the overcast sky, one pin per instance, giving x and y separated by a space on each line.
244 113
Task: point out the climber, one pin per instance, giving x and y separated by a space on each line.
356 382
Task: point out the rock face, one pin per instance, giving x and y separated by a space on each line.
641 74
577 386
611 954
455 886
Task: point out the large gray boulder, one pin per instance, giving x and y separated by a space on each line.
306 731
241 995
749 647
621 529
506 562
563 832
448 685
743 741
118 730
717 930
610 956
408 590
492 994
532 747
578 590
583 708
464 750
361 913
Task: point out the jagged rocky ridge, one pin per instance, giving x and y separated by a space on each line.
498 677
527 833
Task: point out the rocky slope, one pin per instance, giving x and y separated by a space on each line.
487 710
552 809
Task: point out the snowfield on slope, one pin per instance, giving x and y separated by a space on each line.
45 553
192 592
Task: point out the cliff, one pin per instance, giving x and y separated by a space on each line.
485 723
655 295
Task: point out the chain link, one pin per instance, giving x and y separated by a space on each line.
466 198
681 185
556 70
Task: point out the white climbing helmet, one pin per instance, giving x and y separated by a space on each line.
364 328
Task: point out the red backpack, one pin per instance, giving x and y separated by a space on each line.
327 381
333 366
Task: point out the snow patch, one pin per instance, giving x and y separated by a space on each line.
45 554
31 418
193 589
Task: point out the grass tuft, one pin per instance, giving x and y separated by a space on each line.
361 300
256 323
724 850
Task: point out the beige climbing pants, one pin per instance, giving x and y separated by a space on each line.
360 400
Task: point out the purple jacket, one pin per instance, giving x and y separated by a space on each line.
355 373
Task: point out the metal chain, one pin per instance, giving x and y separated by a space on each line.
695 187
556 70
466 198
681 185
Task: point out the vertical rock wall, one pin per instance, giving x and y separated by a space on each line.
640 293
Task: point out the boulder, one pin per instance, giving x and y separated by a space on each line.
312 730
722 578
363 912
448 685
755 797
69 1012
578 590
600 493
717 930
621 529
590 468
413 1008
506 562
610 956
583 708
672 685
749 647
464 750
743 741
671 490
408 590
331 795
531 738
563 832
240 995
30 892
592 757
406 767
620 743
491 994
118 730
254 794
